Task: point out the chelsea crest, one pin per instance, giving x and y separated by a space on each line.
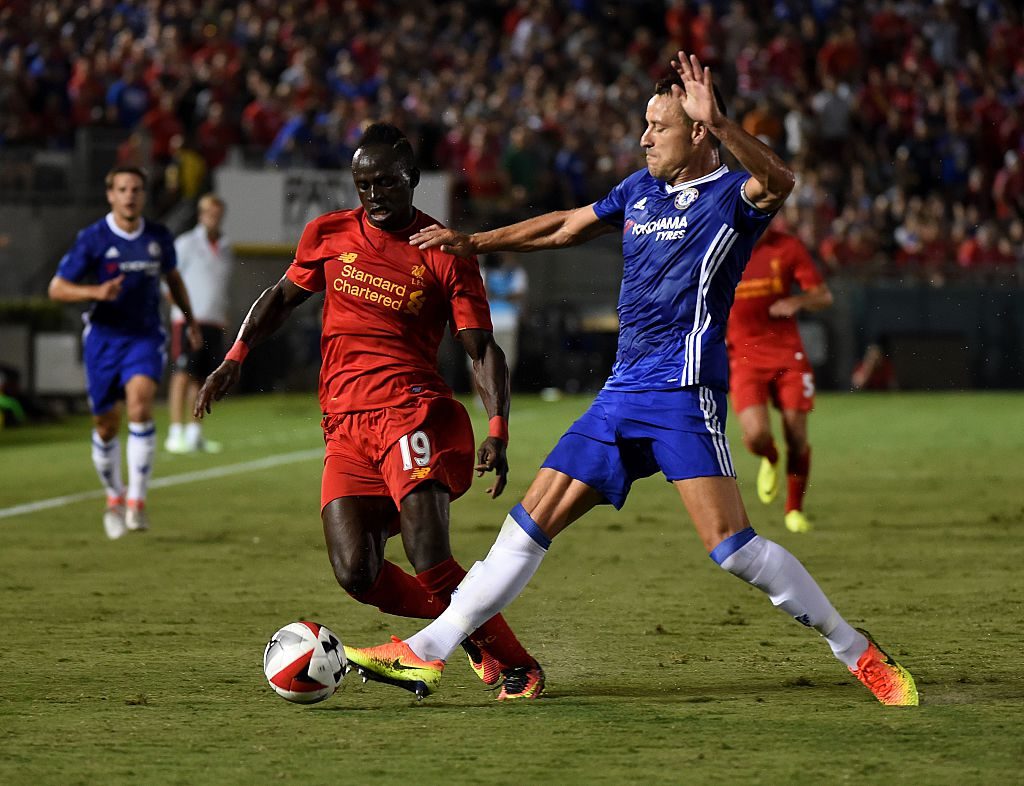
686 197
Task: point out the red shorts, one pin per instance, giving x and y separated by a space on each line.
389 452
788 386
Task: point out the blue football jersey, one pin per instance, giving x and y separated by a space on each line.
103 251
684 248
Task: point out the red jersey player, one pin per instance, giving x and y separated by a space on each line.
767 361
399 447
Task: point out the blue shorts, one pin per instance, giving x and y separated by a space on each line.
626 436
111 359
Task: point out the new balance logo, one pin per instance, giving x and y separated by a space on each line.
112 253
640 204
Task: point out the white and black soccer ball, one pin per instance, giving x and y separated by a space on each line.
304 662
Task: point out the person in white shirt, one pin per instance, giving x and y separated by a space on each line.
206 260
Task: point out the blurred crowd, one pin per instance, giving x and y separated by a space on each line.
904 119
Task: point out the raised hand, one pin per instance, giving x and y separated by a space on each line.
491 456
215 387
697 96
448 240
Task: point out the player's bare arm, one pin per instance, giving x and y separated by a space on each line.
266 315
64 291
179 295
814 299
558 229
490 374
771 181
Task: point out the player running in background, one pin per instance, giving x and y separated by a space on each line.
399 447
124 257
206 261
688 226
767 361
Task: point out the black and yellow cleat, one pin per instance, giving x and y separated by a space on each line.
522 682
396 664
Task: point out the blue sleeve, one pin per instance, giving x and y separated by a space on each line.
78 263
612 208
734 202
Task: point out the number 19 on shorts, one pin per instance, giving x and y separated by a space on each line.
415 449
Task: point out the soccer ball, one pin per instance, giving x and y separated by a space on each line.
304 662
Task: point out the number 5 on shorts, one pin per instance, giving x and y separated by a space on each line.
808 387
415 447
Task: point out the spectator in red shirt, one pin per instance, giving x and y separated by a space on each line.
1008 187
262 117
983 254
215 137
162 124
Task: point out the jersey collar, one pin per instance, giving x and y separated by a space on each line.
403 234
703 179
121 233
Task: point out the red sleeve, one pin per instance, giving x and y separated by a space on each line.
307 269
466 293
805 271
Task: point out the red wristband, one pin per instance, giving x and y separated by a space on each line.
498 427
237 352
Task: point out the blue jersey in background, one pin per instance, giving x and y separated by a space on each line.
684 248
102 251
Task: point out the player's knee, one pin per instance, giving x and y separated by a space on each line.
757 440
355 574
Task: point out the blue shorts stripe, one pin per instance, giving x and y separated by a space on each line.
529 526
732 544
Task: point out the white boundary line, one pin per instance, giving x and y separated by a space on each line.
171 480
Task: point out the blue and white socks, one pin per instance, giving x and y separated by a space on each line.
141 448
488 587
776 572
106 458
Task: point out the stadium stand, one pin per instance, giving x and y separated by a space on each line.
903 119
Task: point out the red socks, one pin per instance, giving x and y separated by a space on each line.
797 470
495 635
427 594
396 592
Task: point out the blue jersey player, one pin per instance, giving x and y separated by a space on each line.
118 263
688 225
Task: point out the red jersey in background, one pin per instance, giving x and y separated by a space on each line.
753 336
386 306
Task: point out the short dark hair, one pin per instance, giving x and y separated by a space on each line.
663 87
388 135
108 181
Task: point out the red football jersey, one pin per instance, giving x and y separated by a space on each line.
777 261
385 309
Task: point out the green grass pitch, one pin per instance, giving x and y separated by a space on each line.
139 661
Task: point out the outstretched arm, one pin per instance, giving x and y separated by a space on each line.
771 181
559 229
64 291
490 377
813 299
266 315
